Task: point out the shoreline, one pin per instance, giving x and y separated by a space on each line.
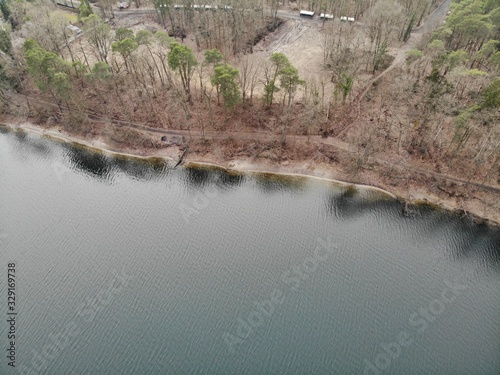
204 164
246 166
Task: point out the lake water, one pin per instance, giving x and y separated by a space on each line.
133 268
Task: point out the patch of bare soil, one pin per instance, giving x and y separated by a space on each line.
300 41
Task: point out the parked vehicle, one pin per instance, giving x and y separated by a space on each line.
306 13
344 18
74 29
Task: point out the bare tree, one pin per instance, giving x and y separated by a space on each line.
343 54
47 27
249 72
382 22
99 36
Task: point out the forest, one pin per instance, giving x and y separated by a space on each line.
402 81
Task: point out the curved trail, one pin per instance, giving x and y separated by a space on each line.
434 19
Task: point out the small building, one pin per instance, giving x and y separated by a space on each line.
306 13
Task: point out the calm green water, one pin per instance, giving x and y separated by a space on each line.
129 268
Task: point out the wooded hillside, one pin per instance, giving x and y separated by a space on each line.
388 83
